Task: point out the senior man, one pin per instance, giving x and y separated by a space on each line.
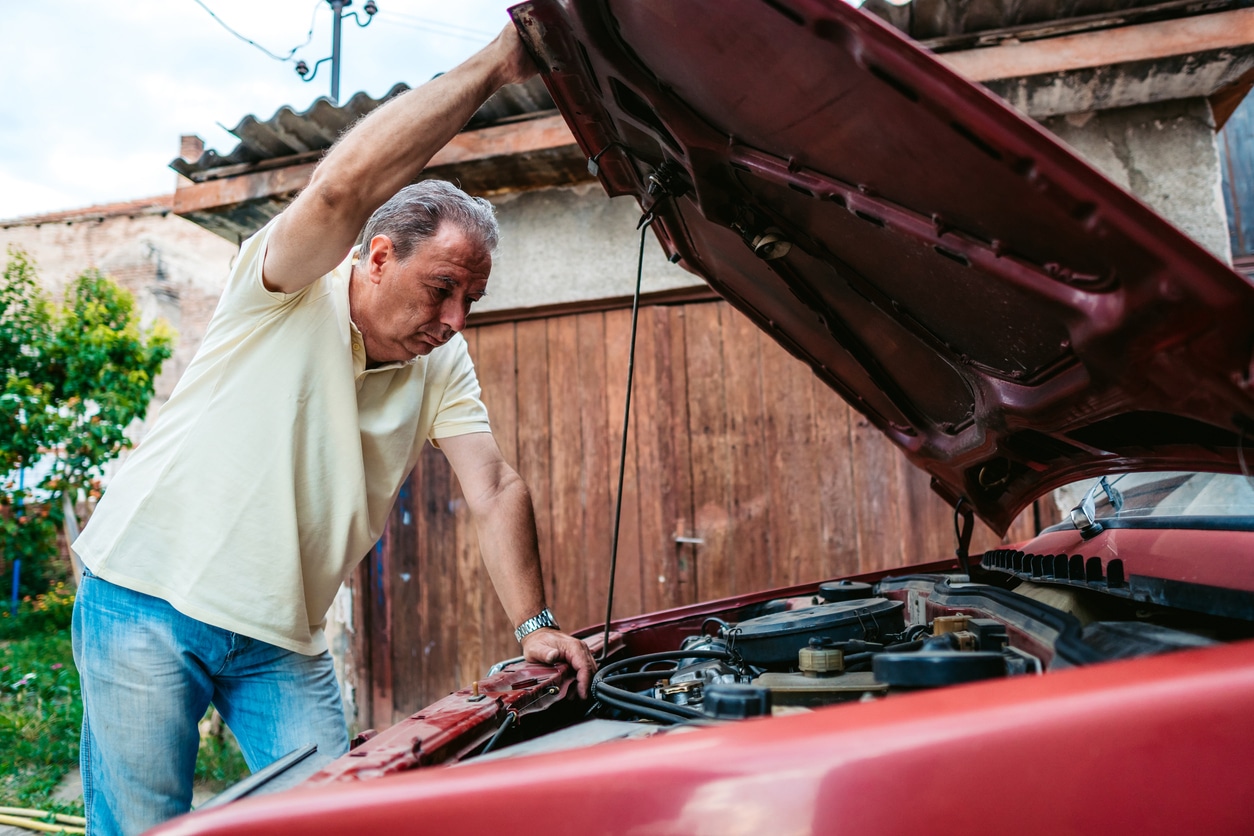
219 546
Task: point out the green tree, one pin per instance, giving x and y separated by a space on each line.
75 375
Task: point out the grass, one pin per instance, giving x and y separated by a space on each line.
41 713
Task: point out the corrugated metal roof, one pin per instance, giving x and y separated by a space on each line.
290 135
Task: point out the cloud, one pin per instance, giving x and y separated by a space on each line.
98 94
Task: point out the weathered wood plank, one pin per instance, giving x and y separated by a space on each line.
437 650
596 493
794 476
877 498
678 491
837 508
566 469
496 363
707 422
472 599
751 549
532 362
652 411
627 585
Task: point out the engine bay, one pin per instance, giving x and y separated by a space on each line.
806 649
852 641
858 641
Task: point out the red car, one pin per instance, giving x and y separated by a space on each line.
1016 324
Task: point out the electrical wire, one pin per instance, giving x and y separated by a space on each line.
426 22
308 39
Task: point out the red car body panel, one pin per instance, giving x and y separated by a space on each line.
1140 746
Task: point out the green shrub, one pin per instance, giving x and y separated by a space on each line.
40 614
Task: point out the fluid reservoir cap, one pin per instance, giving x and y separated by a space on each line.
834 591
819 660
736 702
936 668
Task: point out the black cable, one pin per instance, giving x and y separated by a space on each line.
666 655
646 706
510 718
645 222
646 711
308 39
636 699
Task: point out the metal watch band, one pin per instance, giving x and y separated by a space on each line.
536 622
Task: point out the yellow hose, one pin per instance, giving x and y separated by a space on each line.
30 824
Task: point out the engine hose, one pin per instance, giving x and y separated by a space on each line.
623 677
633 698
640 704
658 657
645 711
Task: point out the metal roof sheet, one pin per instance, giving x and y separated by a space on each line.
291 135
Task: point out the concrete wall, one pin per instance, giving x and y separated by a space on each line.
174 269
572 245
1167 154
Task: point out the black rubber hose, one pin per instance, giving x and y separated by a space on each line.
669 656
510 719
649 702
641 704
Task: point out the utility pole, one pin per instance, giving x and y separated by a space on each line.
337 12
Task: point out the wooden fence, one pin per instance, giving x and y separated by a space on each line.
733 442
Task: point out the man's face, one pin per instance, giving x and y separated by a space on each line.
407 308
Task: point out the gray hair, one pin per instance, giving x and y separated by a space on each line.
414 214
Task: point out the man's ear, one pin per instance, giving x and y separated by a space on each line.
381 252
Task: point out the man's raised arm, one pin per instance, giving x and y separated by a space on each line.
381 155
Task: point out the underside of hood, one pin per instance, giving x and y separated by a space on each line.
1005 314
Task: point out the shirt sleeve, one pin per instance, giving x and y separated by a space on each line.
461 409
245 294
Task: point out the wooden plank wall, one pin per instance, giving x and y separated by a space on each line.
732 441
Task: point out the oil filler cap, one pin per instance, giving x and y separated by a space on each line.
736 702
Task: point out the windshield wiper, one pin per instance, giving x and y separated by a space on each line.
1084 515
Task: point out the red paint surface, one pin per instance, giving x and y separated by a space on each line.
1156 745
1212 558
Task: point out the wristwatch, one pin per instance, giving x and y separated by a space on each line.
536 622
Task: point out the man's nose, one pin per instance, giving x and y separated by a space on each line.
453 315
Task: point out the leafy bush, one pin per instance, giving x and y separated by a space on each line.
73 376
42 614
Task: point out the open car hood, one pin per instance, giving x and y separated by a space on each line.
1005 314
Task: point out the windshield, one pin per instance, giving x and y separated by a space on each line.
1166 494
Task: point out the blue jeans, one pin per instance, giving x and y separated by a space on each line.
148 675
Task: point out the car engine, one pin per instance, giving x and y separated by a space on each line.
858 641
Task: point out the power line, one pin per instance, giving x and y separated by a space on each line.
436 27
308 39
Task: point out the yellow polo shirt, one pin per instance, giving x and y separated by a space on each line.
274 465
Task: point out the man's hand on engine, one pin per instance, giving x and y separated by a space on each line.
548 647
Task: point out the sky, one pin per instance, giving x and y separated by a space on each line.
94 96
